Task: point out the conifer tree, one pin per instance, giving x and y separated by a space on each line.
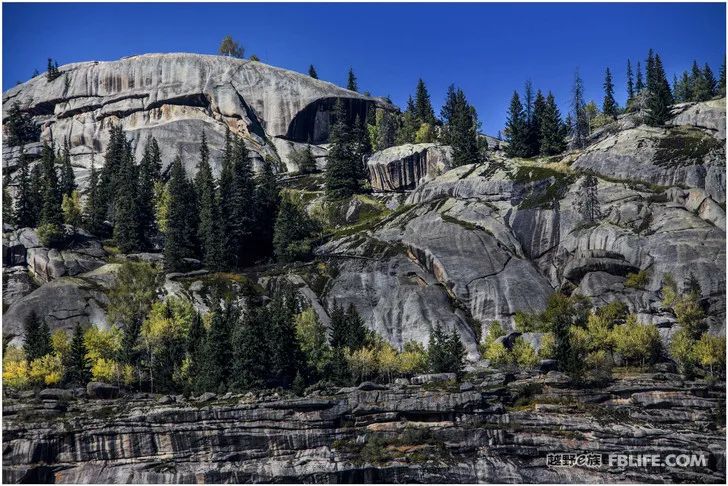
19 127
285 352
195 345
93 212
683 88
630 83
351 83
176 245
251 356
37 337
587 202
341 169
267 200
216 365
36 190
531 129
361 149
305 160
347 328
659 95
386 130
462 127
516 128
206 198
240 217
77 365
698 86
408 128
149 174
294 233
423 105
51 198
552 129
126 223
68 180
609 105
722 80
109 174
639 84
580 130
312 72
709 79
25 214
539 109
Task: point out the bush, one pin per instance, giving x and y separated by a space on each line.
16 372
599 366
548 346
669 291
682 348
50 235
710 353
46 370
637 343
498 355
690 315
495 330
637 280
523 354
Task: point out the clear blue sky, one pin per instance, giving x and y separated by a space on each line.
487 49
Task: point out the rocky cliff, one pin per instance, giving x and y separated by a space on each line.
174 98
498 431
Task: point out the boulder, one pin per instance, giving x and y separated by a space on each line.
99 390
403 167
371 386
55 394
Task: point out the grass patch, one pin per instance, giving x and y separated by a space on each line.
412 445
684 146
465 224
637 280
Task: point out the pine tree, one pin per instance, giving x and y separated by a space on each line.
630 83
539 109
710 83
77 365
126 223
351 83
305 160
462 129
683 88
531 129
455 352
195 345
109 174
267 200
609 105
19 127
342 176
149 174
251 355
51 198
347 328
552 129
587 203
37 337
722 80
285 352
312 72
361 149
68 180
25 211
698 85
206 199
240 217
409 125
639 85
176 244
516 128
386 130
580 130
217 363
93 212
36 190
659 95
423 105
294 233
436 352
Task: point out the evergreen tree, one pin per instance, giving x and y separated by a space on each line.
36 190
294 233
683 88
698 86
516 129
206 199
539 109
436 351
580 130
386 130
710 83
423 105
361 149
285 352
149 174
722 80
251 356
77 365
231 48
553 140
68 180
347 328
455 352
304 160
531 130
195 346
587 202
462 128
351 83
630 83
8 213
408 127
37 337
639 84
109 174
126 224
176 244
312 72
217 362
93 212
659 95
19 127
25 214
51 198
609 105
240 216
267 200
342 175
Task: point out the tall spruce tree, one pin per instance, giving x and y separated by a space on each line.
361 149
267 201
709 79
587 201
539 109
580 130
682 90
351 83
25 213
462 127
630 83
37 337
553 140
285 352
659 95
206 199
516 128
639 84
51 198
68 180
294 233
77 365
722 80
126 222
176 244
216 366
423 105
386 130
312 71
699 87
251 355
149 175
531 131
609 105
94 212
240 216
342 175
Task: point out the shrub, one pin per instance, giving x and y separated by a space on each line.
710 353
498 355
669 290
412 359
613 312
690 315
637 280
682 348
637 343
50 235
523 354
599 366
47 370
548 346
495 330
16 372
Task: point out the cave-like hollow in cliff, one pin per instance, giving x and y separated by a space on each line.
311 125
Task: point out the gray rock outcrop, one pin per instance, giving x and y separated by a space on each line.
405 166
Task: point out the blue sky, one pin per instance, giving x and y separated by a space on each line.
487 49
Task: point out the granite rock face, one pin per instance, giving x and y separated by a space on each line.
393 434
174 98
405 166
